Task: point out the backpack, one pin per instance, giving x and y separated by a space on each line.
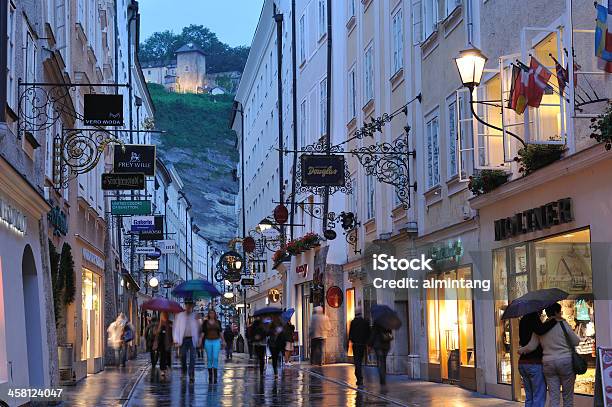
128 333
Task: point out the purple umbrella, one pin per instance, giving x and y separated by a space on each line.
163 305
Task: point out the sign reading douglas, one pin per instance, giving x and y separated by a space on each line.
322 170
135 158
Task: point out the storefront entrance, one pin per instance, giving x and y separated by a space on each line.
450 330
91 340
350 315
304 308
561 261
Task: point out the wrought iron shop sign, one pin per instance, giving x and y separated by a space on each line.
531 220
135 158
103 110
274 295
334 296
57 218
126 208
157 233
123 182
322 170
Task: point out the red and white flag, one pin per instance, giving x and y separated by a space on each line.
539 76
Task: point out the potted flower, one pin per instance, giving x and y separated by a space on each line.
279 256
535 156
311 240
602 128
487 180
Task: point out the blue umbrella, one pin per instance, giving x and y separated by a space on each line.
196 289
386 317
286 315
268 311
533 301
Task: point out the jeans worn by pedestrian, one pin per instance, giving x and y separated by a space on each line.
381 361
559 373
535 384
359 352
316 351
121 354
187 347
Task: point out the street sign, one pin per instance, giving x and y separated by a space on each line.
155 255
145 250
157 233
247 281
136 207
151 264
123 182
134 158
143 223
167 246
103 110
325 170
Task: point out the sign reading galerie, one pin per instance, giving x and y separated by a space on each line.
103 110
325 170
143 223
532 220
123 182
134 158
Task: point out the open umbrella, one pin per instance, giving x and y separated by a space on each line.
533 301
386 317
196 289
286 316
267 311
162 304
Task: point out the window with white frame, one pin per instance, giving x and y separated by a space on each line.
323 106
352 96
322 18
11 81
30 52
302 38
303 123
433 152
370 196
450 6
351 8
451 136
369 74
430 20
354 197
397 28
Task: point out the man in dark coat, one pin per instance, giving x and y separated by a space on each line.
359 335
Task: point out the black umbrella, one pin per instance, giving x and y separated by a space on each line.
533 301
268 311
385 317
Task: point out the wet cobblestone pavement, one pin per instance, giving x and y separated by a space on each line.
240 385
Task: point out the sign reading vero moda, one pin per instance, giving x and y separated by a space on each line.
103 110
134 158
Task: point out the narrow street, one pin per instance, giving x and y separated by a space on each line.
240 385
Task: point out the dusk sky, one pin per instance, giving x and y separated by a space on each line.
234 21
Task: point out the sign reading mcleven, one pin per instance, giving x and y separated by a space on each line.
103 110
123 181
531 220
322 170
135 158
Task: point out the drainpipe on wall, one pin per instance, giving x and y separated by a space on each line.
3 55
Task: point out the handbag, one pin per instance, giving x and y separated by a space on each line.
578 363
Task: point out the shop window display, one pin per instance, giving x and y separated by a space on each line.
564 262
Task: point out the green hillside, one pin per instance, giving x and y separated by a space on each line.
202 148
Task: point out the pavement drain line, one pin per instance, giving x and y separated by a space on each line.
134 385
343 383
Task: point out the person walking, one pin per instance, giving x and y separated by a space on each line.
228 335
162 342
557 363
288 331
380 340
319 326
213 342
116 339
276 342
185 333
359 335
249 338
200 348
149 338
259 334
530 363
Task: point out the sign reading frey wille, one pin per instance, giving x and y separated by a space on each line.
134 158
126 208
103 110
322 170
123 182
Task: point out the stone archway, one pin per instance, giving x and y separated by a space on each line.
31 302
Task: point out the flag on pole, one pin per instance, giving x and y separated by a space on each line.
562 78
539 76
518 97
603 36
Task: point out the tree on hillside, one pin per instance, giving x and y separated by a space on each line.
220 57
